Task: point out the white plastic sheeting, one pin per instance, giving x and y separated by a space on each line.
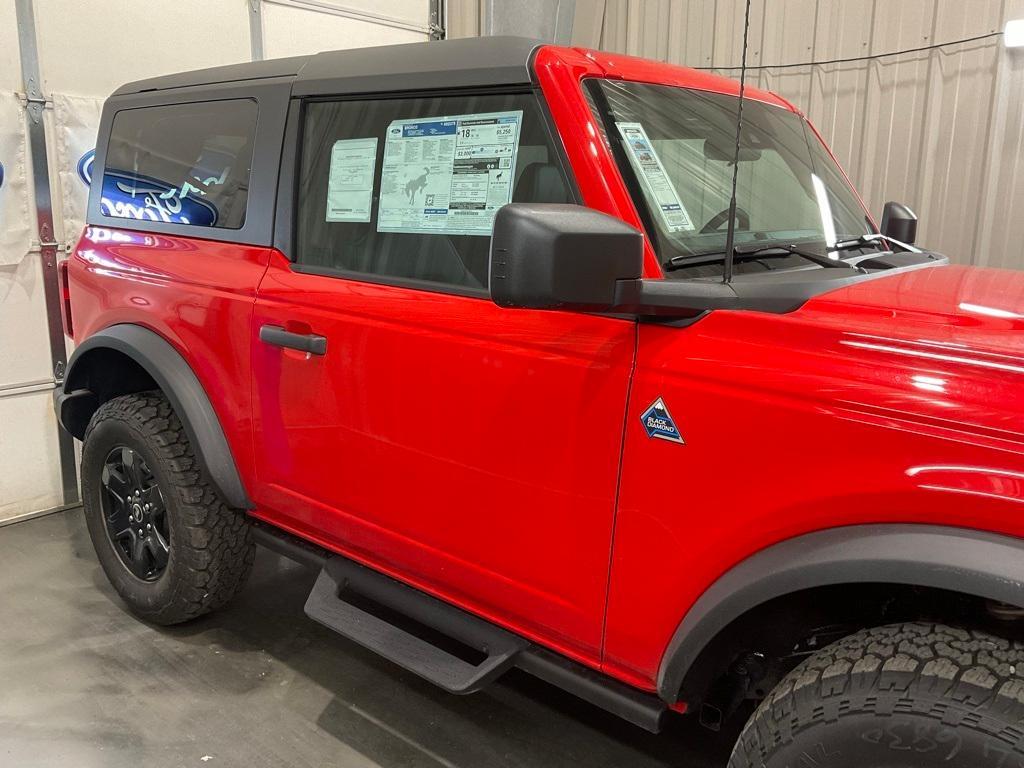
29 472
15 213
23 339
76 120
10 66
87 49
30 476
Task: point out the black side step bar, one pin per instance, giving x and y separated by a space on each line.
335 603
643 709
454 649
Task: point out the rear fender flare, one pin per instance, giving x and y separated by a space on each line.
179 383
981 564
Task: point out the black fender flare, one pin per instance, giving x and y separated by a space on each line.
179 383
961 560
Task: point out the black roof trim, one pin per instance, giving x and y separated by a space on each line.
230 73
463 63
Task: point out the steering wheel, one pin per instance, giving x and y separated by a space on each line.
715 222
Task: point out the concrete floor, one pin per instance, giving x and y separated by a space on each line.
83 683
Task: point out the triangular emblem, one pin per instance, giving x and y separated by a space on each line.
658 423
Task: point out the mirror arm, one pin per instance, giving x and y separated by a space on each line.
689 298
672 298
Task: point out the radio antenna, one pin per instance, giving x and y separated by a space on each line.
730 232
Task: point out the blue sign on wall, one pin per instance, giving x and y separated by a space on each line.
129 195
133 196
85 166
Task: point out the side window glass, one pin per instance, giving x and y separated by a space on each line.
408 188
181 163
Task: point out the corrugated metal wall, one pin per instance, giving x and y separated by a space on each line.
940 130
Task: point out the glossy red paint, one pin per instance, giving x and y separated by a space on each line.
197 294
778 410
65 299
470 450
480 453
894 400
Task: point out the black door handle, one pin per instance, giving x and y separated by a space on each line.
304 342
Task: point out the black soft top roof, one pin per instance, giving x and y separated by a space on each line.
467 62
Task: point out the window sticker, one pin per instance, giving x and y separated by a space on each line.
448 174
350 181
657 184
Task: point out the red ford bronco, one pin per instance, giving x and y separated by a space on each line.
469 327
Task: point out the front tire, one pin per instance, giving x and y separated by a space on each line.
169 546
900 696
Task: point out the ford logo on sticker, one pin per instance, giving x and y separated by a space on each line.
1 175
85 166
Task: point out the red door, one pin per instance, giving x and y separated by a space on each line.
469 449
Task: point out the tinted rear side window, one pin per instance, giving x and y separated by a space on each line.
407 189
181 163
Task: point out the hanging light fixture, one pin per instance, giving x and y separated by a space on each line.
1013 33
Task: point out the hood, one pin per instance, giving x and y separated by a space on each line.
972 309
941 348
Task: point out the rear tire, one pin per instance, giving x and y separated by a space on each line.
900 696
169 546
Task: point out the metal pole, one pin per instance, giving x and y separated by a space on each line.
256 30
35 101
438 19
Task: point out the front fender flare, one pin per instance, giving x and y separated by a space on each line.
179 383
982 564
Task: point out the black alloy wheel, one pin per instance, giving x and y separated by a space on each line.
169 545
135 513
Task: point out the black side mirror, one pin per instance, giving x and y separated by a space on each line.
554 256
899 223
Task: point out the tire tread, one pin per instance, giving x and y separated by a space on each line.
960 677
217 556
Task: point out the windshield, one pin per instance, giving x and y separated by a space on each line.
675 149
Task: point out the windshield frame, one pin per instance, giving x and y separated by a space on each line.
597 100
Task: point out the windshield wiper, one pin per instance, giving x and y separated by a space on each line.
863 241
754 251
860 241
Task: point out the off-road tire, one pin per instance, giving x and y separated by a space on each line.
899 696
211 549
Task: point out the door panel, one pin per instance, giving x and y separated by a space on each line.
468 449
